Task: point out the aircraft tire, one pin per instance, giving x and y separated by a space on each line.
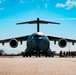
52 56
36 55
23 55
26 55
46 55
39 55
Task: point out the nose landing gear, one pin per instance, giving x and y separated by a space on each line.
38 53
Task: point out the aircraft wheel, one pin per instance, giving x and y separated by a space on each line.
45 55
39 55
26 55
23 54
52 55
36 55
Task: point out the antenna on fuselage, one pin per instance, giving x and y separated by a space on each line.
38 21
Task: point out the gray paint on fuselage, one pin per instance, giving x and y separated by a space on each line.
38 41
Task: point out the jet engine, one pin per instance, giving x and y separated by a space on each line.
13 43
62 43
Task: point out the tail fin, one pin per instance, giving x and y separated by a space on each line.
38 22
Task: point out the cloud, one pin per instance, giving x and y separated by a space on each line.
1 1
68 4
21 1
2 8
60 5
32 0
25 1
47 0
42 0
46 5
38 6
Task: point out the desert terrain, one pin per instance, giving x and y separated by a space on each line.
37 66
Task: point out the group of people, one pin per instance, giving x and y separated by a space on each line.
67 53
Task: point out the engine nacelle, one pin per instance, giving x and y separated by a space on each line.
13 43
62 43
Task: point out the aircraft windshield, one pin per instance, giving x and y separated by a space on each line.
37 36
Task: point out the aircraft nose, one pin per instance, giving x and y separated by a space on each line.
43 44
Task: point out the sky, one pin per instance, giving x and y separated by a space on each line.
14 11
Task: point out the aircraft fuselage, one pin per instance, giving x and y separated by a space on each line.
37 42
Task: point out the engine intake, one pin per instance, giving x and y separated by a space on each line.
13 43
62 43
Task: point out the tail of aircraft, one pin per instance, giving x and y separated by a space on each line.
38 21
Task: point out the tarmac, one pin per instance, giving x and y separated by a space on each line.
37 66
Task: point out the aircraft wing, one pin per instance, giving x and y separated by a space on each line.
36 21
23 38
52 38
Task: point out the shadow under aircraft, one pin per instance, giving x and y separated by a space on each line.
38 44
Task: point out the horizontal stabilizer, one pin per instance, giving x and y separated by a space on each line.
38 21
48 22
29 22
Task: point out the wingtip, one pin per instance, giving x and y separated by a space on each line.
17 23
59 23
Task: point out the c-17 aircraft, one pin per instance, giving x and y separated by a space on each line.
38 43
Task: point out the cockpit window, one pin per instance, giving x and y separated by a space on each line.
37 36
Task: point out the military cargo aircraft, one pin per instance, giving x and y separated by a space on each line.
38 43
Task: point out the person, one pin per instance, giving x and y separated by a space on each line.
60 54
64 53
69 53
72 53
